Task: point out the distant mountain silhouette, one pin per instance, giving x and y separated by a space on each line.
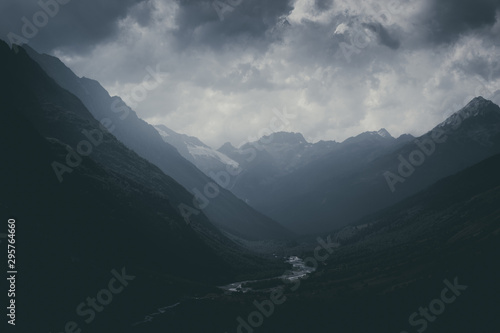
224 209
355 181
113 209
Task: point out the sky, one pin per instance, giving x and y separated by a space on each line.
222 70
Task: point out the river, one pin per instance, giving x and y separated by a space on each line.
299 270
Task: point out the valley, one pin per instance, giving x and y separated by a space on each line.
374 233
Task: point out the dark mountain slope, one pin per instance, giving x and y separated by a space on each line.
225 210
357 186
397 258
389 266
282 166
70 235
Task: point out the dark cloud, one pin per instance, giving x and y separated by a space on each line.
383 35
342 67
76 26
217 23
480 65
446 20
142 12
323 5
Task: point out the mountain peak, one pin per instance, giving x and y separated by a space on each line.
478 103
477 106
285 138
384 133
172 137
226 147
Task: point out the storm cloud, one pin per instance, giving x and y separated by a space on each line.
340 67
449 19
73 25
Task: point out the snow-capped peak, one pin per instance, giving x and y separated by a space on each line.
476 107
384 133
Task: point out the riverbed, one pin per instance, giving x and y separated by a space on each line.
299 270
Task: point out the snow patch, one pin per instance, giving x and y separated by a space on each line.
209 152
473 109
162 133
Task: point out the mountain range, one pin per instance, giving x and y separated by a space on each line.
315 187
95 189
223 208
86 204
372 172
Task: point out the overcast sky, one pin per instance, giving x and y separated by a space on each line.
339 67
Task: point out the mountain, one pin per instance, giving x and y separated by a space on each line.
284 166
205 158
269 158
312 188
389 266
285 151
369 173
224 209
394 262
113 213
461 198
